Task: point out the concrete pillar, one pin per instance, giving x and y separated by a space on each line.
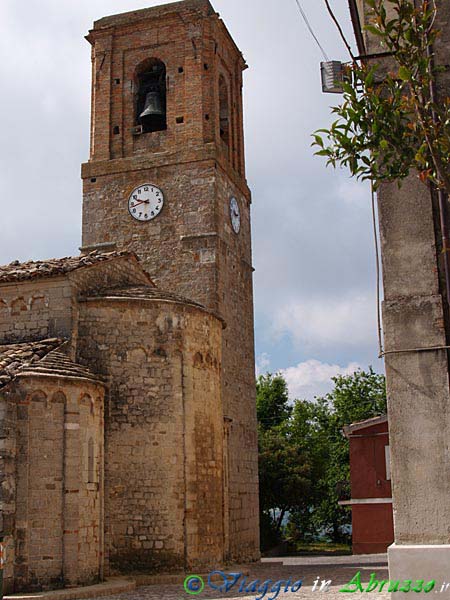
416 319
418 384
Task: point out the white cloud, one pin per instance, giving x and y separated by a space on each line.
313 378
317 323
262 364
354 193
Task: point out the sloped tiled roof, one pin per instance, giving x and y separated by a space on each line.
59 364
17 271
39 358
144 292
14 357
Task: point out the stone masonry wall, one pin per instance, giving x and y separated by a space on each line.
201 363
8 452
117 272
168 247
235 281
41 307
163 454
57 522
35 310
184 252
84 518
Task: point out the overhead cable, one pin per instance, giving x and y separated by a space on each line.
311 31
339 28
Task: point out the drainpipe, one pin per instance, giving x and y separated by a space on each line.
357 28
443 196
443 215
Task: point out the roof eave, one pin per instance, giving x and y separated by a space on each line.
350 429
59 376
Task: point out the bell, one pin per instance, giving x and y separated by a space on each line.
153 104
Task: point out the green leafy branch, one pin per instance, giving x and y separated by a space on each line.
390 122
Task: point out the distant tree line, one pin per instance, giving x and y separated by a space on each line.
304 456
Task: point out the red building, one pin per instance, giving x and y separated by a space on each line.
370 478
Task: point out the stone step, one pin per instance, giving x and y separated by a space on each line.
108 588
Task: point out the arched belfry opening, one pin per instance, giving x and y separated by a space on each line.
151 109
224 111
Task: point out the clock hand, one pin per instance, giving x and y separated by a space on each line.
141 202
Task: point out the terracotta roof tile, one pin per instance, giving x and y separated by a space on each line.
57 363
17 271
144 292
14 357
149 293
39 358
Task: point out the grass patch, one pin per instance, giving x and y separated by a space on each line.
319 548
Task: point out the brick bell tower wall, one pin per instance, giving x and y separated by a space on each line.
198 163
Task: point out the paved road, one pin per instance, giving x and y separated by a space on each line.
339 570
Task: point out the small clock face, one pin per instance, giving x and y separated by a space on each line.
145 202
235 215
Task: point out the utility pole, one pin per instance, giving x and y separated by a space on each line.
414 225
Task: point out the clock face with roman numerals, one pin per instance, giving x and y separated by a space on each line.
145 202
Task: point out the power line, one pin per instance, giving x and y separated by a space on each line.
311 31
339 28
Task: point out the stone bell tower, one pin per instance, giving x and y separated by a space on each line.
166 179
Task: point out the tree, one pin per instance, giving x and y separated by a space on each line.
354 398
303 453
284 471
357 397
272 400
284 475
307 430
391 121
318 425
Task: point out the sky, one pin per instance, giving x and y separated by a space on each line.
313 248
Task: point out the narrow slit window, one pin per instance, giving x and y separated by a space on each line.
91 461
